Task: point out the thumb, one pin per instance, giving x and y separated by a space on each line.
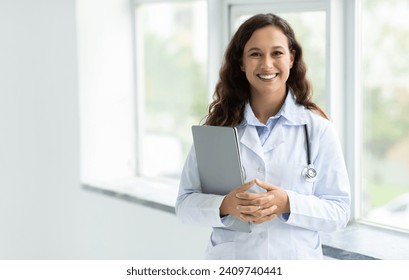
266 186
245 186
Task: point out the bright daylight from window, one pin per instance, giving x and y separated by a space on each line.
172 47
385 107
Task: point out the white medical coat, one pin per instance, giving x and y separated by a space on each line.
320 206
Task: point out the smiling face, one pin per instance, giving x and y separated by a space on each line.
267 61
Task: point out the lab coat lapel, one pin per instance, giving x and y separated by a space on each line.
251 140
275 139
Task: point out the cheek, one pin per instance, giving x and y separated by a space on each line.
249 77
286 66
248 70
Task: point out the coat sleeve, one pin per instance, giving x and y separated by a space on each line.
193 206
328 208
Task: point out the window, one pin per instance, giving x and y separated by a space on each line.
136 124
106 81
385 105
171 44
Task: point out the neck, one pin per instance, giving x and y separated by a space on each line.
266 106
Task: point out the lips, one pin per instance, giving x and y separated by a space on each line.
267 76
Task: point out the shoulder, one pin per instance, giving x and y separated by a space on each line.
315 118
318 126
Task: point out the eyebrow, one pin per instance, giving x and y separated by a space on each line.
258 49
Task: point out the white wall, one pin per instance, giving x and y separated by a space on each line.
44 213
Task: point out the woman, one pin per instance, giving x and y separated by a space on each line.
264 92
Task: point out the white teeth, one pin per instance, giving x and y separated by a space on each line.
267 77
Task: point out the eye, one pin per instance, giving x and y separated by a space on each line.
277 53
255 54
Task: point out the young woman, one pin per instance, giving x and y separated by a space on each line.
289 149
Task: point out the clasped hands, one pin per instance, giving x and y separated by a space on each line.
256 208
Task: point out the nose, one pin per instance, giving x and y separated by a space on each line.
267 62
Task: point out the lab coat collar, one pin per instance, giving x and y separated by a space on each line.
249 138
251 119
291 114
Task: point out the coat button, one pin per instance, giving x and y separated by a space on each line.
260 169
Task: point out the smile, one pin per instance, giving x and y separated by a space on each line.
267 76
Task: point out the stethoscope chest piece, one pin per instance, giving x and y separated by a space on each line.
309 173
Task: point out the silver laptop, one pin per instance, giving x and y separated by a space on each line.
218 159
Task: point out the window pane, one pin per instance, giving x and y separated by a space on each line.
309 28
385 101
172 42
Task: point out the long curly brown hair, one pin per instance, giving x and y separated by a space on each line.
233 89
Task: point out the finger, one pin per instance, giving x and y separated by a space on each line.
265 185
253 196
248 195
265 215
248 218
245 186
257 220
248 209
256 212
265 219
265 212
268 201
262 200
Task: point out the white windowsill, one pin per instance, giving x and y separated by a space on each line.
159 194
356 241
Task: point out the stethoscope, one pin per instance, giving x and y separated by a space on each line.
309 173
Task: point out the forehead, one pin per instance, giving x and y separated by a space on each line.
267 37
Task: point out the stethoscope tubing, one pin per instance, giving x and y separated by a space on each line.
307 145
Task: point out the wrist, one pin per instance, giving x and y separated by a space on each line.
224 208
